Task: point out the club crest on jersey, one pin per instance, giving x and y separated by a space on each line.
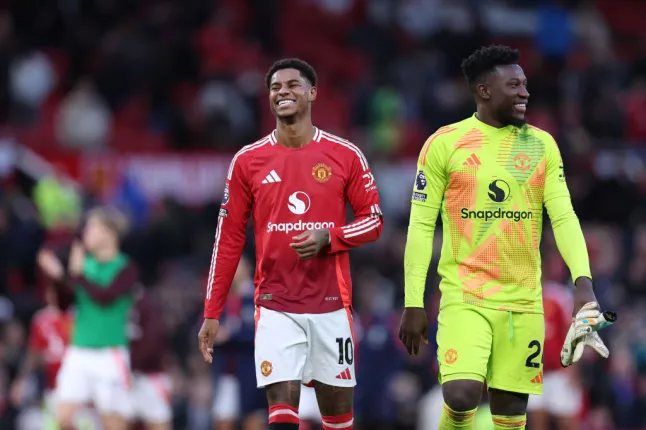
321 172
522 162
225 197
420 181
266 368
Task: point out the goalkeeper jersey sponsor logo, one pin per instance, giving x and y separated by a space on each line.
499 192
488 215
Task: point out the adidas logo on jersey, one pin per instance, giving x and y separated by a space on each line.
271 178
473 160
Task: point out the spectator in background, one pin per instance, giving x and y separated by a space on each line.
150 386
83 118
58 202
32 79
377 324
236 399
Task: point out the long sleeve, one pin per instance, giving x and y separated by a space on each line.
121 285
229 239
565 224
363 195
428 194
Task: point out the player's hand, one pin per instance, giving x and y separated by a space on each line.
413 329
309 243
77 259
50 264
206 338
583 332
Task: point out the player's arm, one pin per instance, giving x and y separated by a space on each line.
428 192
565 224
362 193
587 318
120 286
229 240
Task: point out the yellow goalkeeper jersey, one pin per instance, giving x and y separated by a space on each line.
490 186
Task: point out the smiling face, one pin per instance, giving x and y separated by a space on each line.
505 91
290 94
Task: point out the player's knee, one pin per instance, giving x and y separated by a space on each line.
284 393
462 395
507 402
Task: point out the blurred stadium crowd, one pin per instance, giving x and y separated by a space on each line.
150 92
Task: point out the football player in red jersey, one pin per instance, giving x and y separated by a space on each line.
48 337
295 183
562 398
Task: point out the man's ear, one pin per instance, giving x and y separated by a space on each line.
483 91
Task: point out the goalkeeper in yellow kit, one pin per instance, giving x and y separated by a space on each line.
490 176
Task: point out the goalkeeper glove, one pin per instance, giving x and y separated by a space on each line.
583 331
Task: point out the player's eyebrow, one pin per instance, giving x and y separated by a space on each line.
291 81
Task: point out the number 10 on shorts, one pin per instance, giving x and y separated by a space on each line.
346 350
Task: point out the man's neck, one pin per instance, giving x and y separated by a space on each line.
294 135
105 254
485 116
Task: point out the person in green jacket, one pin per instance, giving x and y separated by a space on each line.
96 365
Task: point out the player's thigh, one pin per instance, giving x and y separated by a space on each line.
154 399
73 382
334 400
280 347
516 363
330 359
111 384
464 339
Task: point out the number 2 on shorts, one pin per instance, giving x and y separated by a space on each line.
536 346
346 350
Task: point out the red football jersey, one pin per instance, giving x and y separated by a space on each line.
557 305
288 191
48 337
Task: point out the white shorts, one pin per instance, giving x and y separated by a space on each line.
150 397
560 397
304 347
100 376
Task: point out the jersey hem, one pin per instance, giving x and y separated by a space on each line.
300 310
501 308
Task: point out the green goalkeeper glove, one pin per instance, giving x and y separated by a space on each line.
583 332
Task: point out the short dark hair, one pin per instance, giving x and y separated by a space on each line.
306 70
485 60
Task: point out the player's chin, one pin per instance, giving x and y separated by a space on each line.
517 119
